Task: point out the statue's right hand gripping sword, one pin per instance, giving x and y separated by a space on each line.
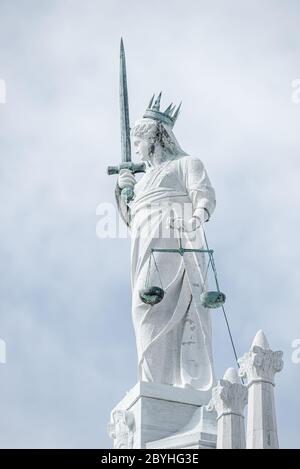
127 193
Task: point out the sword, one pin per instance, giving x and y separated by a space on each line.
127 193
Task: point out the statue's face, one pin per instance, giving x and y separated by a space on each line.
141 147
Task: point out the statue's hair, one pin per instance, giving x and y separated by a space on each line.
158 133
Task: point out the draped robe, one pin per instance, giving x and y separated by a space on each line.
173 337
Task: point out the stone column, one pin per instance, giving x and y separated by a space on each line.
229 398
259 367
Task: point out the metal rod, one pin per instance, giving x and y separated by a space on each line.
209 251
231 339
223 308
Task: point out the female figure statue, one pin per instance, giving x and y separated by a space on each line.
173 336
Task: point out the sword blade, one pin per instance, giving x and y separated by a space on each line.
124 108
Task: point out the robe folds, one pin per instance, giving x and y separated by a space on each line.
173 337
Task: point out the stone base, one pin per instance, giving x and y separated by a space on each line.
159 416
199 433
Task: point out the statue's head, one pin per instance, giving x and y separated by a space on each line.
152 136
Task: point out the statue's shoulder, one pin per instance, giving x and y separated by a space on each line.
188 161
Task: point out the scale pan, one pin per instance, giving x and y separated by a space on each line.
212 299
151 295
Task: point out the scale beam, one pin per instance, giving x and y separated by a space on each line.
181 251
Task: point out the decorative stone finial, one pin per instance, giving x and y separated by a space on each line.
261 363
232 376
260 340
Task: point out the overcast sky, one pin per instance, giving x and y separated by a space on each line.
65 294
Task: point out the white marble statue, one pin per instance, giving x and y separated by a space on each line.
174 336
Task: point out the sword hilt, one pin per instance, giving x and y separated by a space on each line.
133 167
127 193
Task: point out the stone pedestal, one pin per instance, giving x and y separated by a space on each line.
159 416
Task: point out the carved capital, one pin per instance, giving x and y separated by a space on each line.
121 429
228 398
260 364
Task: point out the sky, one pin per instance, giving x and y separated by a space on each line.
65 294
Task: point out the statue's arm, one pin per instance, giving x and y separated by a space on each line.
199 188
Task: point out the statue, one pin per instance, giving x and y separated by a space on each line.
121 429
173 335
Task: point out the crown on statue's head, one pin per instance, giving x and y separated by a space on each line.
169 116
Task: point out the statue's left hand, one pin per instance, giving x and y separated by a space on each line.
185 225
178 223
